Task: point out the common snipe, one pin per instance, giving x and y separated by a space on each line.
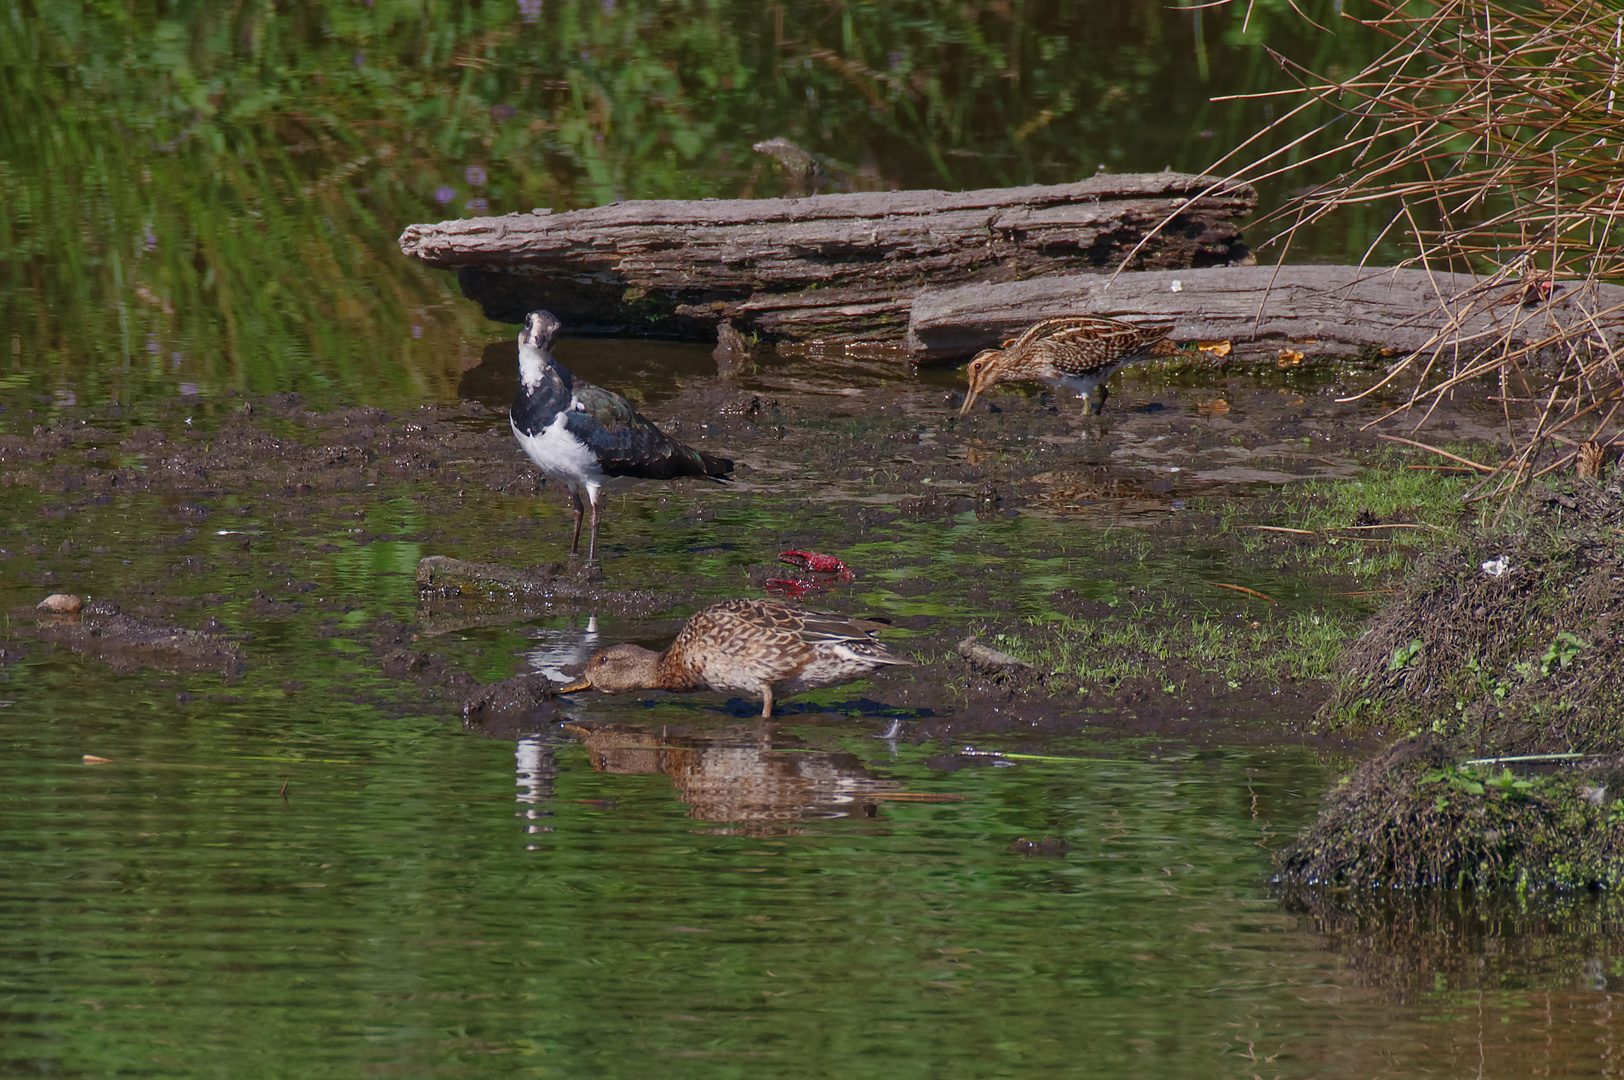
1077 351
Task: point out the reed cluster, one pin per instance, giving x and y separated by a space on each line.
1489 138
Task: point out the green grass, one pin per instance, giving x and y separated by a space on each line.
1148 639
1387 494
1174 637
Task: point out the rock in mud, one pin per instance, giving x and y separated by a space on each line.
129 644
990 659
449 587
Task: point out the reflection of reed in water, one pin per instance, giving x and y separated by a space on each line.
737 776
1415 945
1528 983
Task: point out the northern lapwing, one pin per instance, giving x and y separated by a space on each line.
756 647
587 437
1078 352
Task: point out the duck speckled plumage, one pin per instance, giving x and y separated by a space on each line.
1078 351
747 646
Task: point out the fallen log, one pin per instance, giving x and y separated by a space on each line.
831 268
1320 309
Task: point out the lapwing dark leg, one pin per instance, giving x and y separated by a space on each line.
592 540
580 511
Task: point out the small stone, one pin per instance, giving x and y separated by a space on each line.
989 659
61 603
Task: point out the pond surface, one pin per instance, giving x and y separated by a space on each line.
287 854
350 895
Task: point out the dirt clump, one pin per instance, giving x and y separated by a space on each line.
511 708
128 644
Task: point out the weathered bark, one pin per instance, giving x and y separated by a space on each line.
1322 309
830 267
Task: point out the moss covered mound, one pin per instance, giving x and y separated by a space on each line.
1491 672
1416 817
1510 640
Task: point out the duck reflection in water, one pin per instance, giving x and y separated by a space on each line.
738 776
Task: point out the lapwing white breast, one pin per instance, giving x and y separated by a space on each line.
587 437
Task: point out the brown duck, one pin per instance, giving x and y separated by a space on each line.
1078 351
747 646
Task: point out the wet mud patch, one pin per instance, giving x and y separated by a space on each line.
128 644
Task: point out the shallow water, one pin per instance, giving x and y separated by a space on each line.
404 906
304 864
235 895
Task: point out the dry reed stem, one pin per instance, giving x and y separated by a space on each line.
1494 133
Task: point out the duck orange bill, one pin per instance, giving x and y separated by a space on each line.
570 688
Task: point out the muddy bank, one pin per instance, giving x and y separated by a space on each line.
1504 653
282 528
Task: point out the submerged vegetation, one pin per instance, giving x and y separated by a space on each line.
1293 616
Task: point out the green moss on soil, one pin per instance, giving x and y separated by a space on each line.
1525 661
1241 650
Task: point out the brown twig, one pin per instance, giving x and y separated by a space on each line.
1242 588
1441 453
